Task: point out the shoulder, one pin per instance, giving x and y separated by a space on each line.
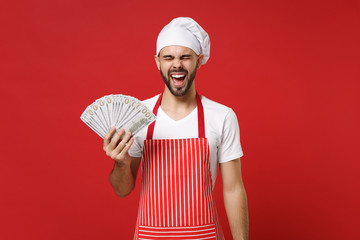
215 108
219 117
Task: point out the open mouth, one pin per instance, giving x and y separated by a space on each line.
178 79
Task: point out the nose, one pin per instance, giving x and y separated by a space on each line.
177 63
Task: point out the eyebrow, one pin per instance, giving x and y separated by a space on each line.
182 56
186 55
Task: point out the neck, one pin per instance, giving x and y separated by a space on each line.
178 107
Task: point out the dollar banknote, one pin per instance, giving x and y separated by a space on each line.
117 110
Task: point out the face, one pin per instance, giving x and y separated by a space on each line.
178 65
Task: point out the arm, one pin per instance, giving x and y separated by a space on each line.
235 200
123 175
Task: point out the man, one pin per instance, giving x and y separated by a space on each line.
181 151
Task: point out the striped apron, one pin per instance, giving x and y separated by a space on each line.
176 199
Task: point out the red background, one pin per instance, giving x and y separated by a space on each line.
289 69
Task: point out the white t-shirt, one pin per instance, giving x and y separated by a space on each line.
221 130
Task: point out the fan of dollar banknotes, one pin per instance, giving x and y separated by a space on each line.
117 110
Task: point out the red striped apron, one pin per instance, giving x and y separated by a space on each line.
176 200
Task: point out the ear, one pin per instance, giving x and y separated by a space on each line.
157 61
200 60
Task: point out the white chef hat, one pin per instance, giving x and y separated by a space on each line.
184 31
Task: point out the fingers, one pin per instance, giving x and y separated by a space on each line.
107 137
116 138
125 150
117 145
122 143
111 139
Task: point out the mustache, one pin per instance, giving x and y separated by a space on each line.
178 71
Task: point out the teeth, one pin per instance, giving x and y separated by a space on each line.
178 76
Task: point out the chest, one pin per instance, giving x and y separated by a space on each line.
187 127
168 128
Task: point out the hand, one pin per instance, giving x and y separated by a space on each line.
118 146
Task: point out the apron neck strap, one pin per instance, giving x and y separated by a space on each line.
201 117
200 113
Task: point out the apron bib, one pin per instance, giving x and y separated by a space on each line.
176 199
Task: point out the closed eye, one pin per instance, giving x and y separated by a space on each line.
186 57
168 57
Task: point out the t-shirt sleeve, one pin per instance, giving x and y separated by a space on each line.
230 147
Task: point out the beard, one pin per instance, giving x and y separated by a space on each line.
182 90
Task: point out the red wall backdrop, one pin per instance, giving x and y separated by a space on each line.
289 69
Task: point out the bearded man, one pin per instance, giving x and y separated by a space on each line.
180 152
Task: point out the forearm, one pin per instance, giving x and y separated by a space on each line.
122 179
235 201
